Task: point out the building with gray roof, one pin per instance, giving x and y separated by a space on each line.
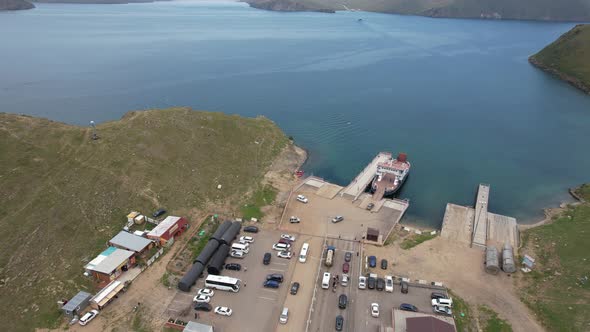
128 241
76 305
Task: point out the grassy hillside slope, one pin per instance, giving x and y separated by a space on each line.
564 10
568 57
558 289
63 195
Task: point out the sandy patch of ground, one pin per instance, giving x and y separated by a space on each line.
281 175
461 269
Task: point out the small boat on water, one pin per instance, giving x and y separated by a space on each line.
390 175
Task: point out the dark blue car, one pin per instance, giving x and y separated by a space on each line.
158 213
408 307
372 261
271 284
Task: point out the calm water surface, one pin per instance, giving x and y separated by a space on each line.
457 95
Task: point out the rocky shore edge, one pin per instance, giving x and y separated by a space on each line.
569 79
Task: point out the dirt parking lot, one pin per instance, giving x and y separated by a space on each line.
461 269
316 216
255 308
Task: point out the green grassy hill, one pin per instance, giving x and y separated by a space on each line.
558 289
63 195
563 10
568 57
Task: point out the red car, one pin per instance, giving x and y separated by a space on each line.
345 267
285 241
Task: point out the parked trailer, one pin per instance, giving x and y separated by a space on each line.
221 230
492 260
207 252
231 233
508 264
189 279
218 260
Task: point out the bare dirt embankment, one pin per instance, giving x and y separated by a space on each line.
461 269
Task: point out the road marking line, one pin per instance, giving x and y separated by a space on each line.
277 270
272 291
266 298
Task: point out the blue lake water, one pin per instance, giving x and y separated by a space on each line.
457 95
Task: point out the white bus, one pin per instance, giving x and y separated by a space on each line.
303 253
223 283
326 280
329 256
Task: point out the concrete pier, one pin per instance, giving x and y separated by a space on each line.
361 181
480 223
476 226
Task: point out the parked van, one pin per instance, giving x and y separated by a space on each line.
88 317
326 280
284 316
245 247
303 253
329 256
442 302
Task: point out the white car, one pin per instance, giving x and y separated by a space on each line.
344 280
88 317
206 292
375 309
281 246
362 282
442 302
284 254
389 284
442 310
302 198
202 299
246 239
288 237
294 220
237 254
224 311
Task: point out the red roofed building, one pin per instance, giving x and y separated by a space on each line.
168 229
427 324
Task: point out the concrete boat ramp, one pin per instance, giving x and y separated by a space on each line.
476 226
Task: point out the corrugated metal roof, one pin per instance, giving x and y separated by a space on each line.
101 257
163 226
130 241
197 327
112 261
76 301
106 293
